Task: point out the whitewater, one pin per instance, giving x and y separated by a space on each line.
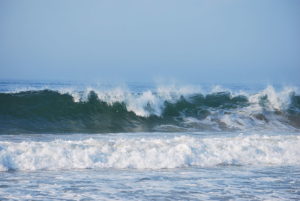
140 151
69 141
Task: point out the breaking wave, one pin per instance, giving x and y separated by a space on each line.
163 109
150 152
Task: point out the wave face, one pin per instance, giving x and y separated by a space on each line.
119 110
150 153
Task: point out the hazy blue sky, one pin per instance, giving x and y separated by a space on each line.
138 40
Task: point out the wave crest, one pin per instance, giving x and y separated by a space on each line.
120 110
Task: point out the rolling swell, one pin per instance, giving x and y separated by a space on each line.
48 111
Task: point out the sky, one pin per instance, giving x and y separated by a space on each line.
220 41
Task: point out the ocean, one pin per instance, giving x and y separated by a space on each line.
144 141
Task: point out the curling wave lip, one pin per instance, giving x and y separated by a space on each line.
166 110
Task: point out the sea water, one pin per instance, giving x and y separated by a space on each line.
68 141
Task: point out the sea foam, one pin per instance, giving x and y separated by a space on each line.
150 152
161 109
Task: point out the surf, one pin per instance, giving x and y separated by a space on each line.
162 109
149 152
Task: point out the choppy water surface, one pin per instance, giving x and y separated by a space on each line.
217 183
146 166
75 109
148 143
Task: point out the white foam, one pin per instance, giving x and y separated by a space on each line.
278 100
151 102
150 152
142 104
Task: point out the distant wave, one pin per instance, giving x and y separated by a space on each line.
150 152
118 110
